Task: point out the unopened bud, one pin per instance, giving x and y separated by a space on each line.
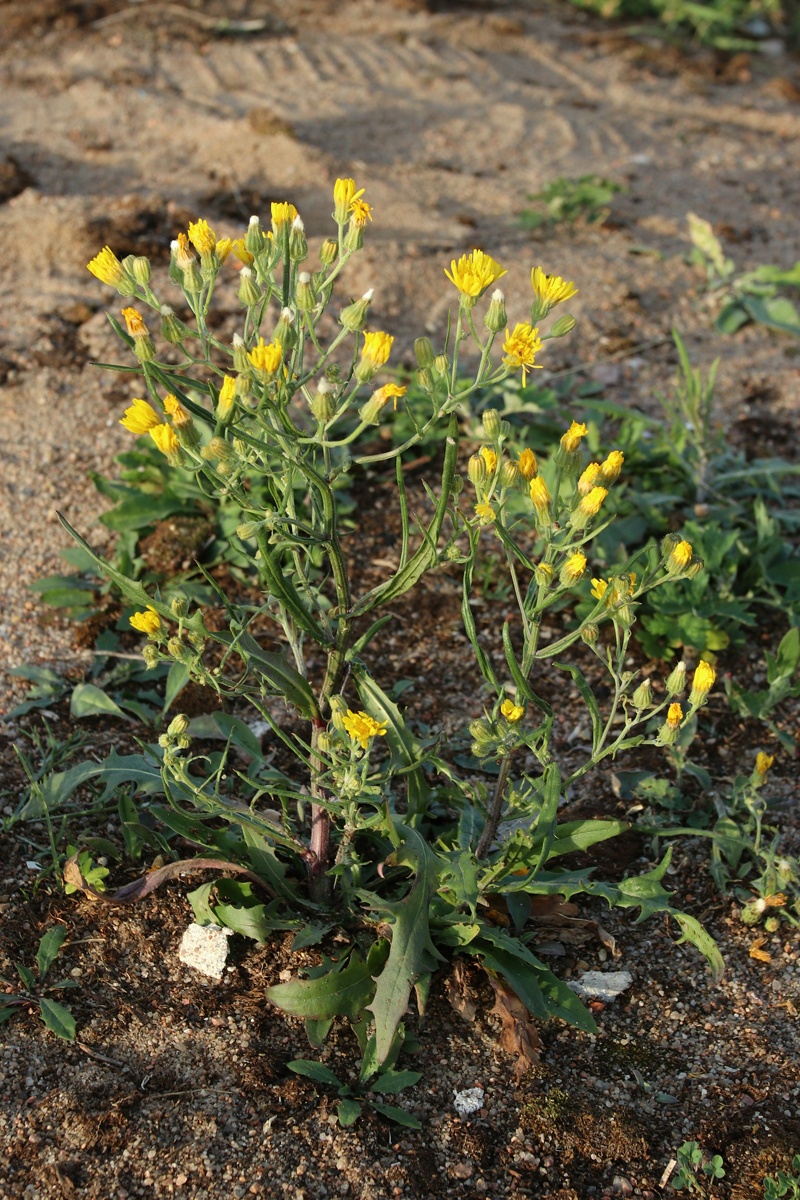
179 606
248 529
178 725
543 574
564 325
150 656
676 680
495 318
354 238
241 363
643 696
254 238
328 252
323 405
442 363
172 330
510 475
179 650
476 469
354 316
425 379
286 330
491 422
248 292
590 633
304 295
324 742
298 246
140 269
423 349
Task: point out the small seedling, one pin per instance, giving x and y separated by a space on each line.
785 1186
350 1104
58 1019
571 200
691 1160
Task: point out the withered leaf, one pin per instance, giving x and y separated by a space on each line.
458 991
139 888
518 1034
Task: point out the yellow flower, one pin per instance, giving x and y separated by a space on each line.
266 359
183 252
141 417
202 236
611 468
360 212
146 622
702 683
106 267
282 214
590 504
521 347
541 497
511 711
174 408
763 762
680 556
571 440
361 727
375 352
674 715
166 439
485 513
527 464
134 323
389 391
573 569
223 248
757 953
344 195
599 588
227 395
490 458
589 478
550 289
474 273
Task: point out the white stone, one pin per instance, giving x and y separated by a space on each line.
468 1101
602 985
204 948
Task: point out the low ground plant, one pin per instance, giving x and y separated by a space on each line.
361 825
567 201
36 992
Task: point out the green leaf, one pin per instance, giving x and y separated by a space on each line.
177 679
26 975
348 1112
59 1020
412 952
580 835
343 993
392 1082
587 695
405 749
777 313
56 788
49 945
311 935
275 670
542 993
91 701
784 664
732 317
398 1115
7 1012
694 932
314 1070
317 1031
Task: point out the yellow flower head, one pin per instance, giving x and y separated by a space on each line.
763 762
134 323
389 391
611 468
702 683
680 556
511 711
360 212
485 513
146 622
474 273
589 478
141 417
266 358
106 267
490 458
377 348
227 395
180 417
183 252
571 440
166 439
590 504
757 953
361 727
223 248
521 347
599 588
550 289
528 465
674 715
202 236
573 569
344 195
282 214
540 496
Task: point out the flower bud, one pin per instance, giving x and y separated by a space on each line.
694 568
476 469
226 399
510 475
179 606
563 326
172 330
178 725
339 708
543 574
676 680
298 246
248 529
192 281
254 238
495 318
772 924
286 330
442 363
140 269
328 252
150 656
702 683
423 349
590 633
241 363
668 733
304 295
573 569
324 742
643 696
179 651
218 450
248 292
425 379
354 316
323 405
491 423
668 544
354 238
541 498
751 913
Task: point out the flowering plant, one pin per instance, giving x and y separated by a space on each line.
374 830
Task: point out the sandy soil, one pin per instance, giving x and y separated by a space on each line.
120 123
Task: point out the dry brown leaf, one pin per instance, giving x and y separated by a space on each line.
518 1034
139 888
458 991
